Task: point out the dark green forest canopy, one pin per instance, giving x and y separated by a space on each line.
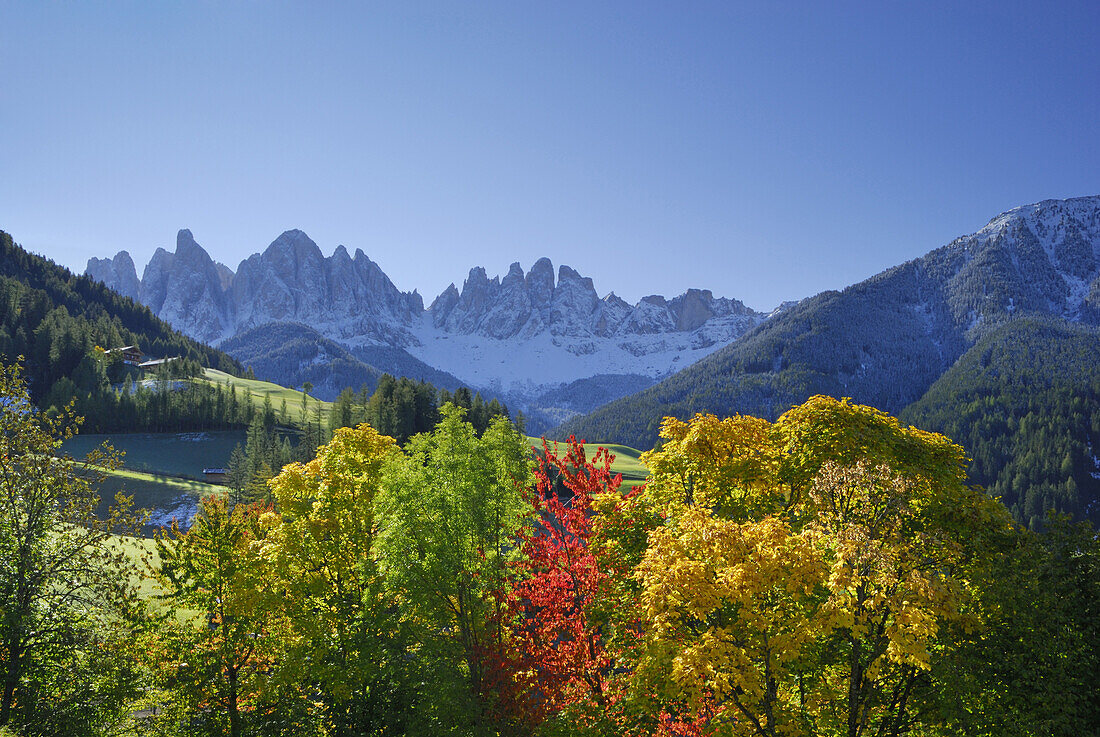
53 318
1025 403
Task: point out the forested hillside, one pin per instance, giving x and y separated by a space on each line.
1025 403
54 319
292 355
882 342
886 341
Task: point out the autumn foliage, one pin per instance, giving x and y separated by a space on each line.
829 573
556 655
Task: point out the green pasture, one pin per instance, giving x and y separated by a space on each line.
626 459
174 454
261 389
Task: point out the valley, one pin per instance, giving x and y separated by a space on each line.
517 338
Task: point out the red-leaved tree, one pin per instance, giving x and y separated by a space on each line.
555 656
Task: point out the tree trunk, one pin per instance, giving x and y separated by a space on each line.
234 714
11 678
855 680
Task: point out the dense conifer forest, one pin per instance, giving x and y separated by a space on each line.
54 318
1025 403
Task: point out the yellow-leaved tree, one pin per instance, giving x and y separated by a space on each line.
808 572
345 660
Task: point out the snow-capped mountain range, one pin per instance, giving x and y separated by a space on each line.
520 335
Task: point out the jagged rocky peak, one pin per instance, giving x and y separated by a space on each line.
186 289
293 281
347 297
443 304
574 305
567 306
616 300
154 280
225 274
117 273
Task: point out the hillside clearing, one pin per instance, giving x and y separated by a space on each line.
259 390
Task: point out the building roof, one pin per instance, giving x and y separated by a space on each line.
157 362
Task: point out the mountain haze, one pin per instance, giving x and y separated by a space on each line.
521 337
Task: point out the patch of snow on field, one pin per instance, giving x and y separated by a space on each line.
181 509
192 437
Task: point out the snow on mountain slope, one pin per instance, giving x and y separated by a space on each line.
530 366
521 335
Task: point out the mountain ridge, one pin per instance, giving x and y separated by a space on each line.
520 336
884 341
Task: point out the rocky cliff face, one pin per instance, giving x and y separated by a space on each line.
185 289
524 306
118 273
495 322
344 297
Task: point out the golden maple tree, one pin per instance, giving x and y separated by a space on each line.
807 570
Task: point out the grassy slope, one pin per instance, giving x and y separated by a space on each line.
169 497
155 464
626 459
261 389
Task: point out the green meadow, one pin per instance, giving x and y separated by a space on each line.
266 389
627 460
166 497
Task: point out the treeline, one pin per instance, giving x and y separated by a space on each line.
830 573
114 397
401 408
54 318
397 408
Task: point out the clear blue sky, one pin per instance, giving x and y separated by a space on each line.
766 151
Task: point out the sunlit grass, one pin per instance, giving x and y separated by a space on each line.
626 459
261 389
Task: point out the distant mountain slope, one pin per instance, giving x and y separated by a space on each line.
1025 403
884 341
54 318
399 362
291 355
522 335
